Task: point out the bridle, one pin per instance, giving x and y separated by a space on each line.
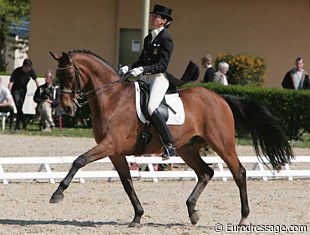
77 92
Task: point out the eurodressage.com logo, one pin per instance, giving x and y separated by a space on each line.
262 228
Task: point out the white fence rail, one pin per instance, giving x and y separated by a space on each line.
44 169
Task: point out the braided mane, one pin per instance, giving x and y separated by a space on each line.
87 52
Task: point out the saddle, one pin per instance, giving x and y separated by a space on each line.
144 100
171 107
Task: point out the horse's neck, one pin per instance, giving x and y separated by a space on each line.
102 87
98 74
101 91
111 107
105 93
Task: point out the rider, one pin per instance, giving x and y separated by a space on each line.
152 65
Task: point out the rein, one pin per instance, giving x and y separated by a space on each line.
77 88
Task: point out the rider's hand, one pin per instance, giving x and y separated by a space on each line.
136 71
123 70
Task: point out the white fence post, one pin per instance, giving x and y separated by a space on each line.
288 168
1 171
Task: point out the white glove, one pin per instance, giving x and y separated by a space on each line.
136 71
123 70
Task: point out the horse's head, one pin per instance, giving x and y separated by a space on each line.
69 82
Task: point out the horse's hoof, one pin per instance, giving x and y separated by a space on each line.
194 217
134 225
244 222
57 197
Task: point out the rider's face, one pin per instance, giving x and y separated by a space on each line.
157 21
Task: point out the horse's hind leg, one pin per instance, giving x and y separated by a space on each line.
229 155
122 167
204 173
90 156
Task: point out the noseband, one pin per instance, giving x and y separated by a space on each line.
77 88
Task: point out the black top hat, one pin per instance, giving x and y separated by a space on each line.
163 11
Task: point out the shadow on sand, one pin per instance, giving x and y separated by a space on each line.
85 223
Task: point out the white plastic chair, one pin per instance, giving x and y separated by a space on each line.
3 116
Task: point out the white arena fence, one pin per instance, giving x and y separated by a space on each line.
45 165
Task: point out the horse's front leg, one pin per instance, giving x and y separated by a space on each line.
121 165
90 156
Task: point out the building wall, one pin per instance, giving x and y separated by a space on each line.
63 25
276 30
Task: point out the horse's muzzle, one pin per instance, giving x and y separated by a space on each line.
70 110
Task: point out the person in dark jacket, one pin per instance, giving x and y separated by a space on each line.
44 97
297 78
18 87
206 62
151 67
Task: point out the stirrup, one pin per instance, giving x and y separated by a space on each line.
168 152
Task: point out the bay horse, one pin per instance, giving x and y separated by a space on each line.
210 118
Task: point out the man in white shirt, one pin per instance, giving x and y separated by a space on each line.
6 102
297 78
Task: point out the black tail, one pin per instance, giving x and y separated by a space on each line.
268 138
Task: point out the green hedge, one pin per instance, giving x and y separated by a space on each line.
289 106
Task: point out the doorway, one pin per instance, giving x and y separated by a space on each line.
130 46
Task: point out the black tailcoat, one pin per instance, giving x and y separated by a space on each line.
155 55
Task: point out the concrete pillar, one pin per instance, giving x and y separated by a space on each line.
145 24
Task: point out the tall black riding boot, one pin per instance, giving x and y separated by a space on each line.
165 134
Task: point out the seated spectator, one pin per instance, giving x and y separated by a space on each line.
6 102
44 97
297 78
220 75
206 62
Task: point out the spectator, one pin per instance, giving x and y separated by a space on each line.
6 102
297 78
18 87
44 97
206 62
220 75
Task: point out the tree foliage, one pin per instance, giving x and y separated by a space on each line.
10 11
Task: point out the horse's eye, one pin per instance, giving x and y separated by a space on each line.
69 76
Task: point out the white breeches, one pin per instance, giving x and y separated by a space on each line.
45 111
159 84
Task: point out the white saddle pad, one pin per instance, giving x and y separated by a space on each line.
173 100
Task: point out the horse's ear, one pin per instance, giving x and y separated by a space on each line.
55 56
